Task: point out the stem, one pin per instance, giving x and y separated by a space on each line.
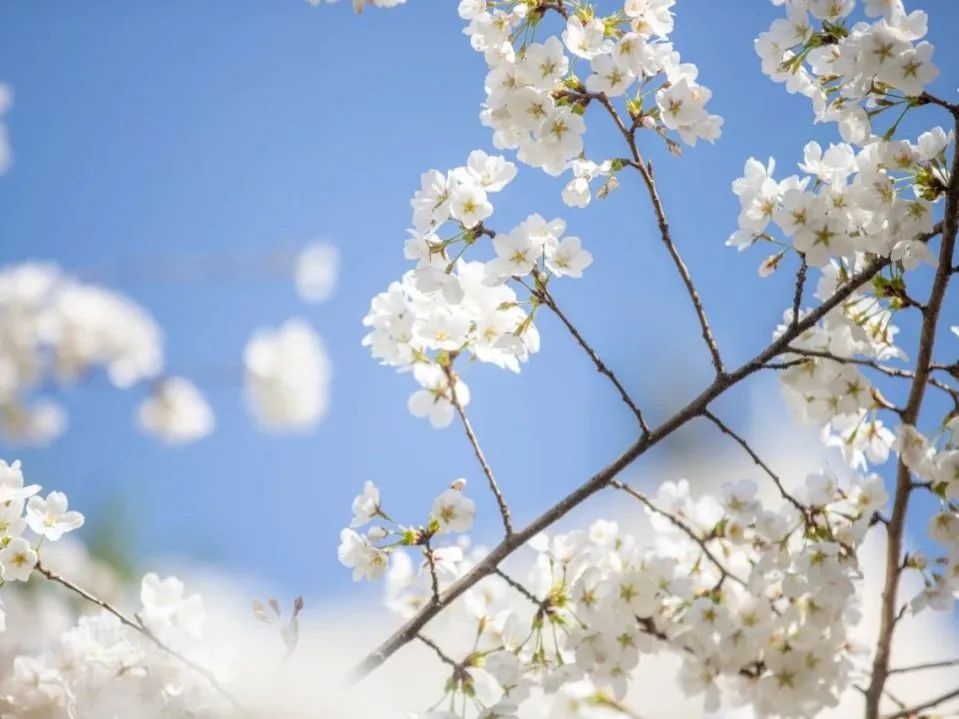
601 367
755 458
471 435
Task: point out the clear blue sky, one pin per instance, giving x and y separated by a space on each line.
143 128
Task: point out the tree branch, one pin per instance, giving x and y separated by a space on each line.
547 299
755 458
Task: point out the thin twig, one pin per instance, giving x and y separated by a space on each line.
138 626
724 428
682 526
547 299
916 711
471 435
517 586
646 171
925 666
439 652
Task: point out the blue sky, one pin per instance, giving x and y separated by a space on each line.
145 129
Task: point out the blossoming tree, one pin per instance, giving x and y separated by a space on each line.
755 598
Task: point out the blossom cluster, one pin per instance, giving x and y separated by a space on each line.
449 306
877 201
850 71
939 468
369 554
99 666
757 600
535 103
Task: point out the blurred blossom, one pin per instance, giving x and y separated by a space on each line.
287 377
55 330
316 269
176 412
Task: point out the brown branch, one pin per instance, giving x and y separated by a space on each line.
915 711
547 299
431 563
904 486
601 479
925 666
517 586
137 625
682 526
724 428
800 285
471 435
646 171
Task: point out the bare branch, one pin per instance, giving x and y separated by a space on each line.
755 458
517 586
800 285
925 666
137 625
646 171
916 711
471 435
547 299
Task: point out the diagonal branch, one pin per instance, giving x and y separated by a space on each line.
601 479
138 626
923 667
724 428
471 435
916 711
547 299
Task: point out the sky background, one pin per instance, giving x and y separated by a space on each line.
145 130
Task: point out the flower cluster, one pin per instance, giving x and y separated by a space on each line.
21 508
851 205
287 377
757 601
98 667
877 201
940 469
535 103
369 555
844 67
449 306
